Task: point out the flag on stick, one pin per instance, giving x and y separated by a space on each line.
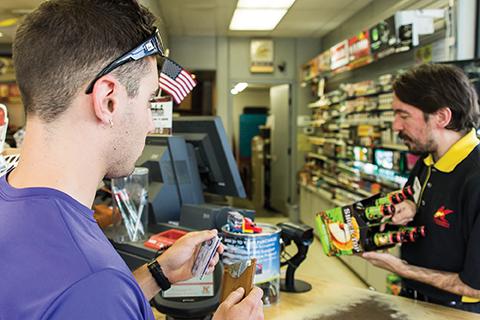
175 80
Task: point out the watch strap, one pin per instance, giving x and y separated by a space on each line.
157 273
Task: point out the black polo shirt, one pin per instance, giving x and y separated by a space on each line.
449 207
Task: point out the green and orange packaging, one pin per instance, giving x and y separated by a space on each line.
355 228
341 229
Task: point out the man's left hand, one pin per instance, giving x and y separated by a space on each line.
385 261
177 261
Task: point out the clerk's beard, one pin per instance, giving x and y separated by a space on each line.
416 146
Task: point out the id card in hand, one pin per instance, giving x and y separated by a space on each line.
205 255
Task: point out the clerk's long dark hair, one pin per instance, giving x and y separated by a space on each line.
430 87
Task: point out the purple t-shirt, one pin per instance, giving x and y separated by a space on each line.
55 262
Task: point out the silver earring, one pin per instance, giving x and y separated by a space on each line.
111 123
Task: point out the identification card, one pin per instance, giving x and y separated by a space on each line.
205 255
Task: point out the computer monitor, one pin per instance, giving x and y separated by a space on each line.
173 177
217 167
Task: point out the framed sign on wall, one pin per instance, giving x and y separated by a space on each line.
261 56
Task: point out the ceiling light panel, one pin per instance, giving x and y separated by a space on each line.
256 19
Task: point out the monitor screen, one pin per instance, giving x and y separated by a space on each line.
217 167
384 158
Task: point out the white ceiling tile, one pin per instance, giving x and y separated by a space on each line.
198 20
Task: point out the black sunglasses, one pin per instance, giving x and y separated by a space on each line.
153 45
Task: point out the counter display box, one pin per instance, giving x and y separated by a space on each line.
356 228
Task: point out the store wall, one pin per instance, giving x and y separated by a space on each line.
194 53
239 62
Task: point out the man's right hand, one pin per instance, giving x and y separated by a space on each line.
404 212
234 308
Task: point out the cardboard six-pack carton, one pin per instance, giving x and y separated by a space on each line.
355 228
341 229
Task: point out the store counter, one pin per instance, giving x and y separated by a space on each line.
330 301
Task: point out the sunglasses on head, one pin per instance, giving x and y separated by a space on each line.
151 46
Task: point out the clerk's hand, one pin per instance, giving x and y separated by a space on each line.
404 212
385 261
177 261
234 308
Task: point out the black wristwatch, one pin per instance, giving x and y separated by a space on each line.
157 273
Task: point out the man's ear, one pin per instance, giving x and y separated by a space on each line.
443 117
105 99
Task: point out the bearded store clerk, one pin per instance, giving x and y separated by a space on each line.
436 114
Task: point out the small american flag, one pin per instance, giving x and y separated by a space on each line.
175 80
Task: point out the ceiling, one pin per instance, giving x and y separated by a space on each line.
306 18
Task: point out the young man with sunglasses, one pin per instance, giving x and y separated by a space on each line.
87 118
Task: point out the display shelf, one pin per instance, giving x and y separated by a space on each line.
7 78
326 157
320 140
371 94
333 181
325 194
318 104
357 122
399 147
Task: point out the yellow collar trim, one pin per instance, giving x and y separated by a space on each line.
456 154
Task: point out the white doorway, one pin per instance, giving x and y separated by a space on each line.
276 100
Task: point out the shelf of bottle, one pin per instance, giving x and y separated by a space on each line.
389 146
334 182
388 184
359 175
347 123
375 121
318 104
7 78
370 94
317 123
325 103
324 157
324 194
369 110
321 140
